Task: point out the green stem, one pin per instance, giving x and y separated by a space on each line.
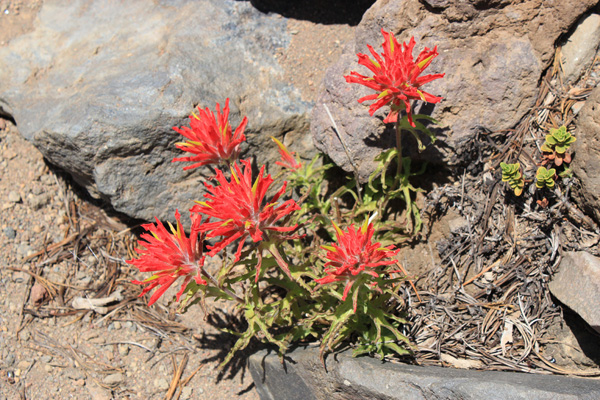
399 148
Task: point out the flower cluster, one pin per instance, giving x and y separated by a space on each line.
354 256
169 256
237 207
240 208
211 138
396 76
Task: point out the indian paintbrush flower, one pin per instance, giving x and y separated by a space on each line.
288 159
396 76
354 256
169 256
211 138
240 210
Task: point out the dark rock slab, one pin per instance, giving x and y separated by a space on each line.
493 54
97 87
303 377
576 284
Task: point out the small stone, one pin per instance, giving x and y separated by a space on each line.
117 325
457 224
98 393
48 368
73 374
79 382
123 349
186 393
10 233
161 384
23 250
14 197
47 180
9 360
46 359
39 201
114 379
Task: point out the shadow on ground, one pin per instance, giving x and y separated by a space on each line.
322 12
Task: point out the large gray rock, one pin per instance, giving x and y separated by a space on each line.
304 377
586 163
577 285
97 87
579 50
493 54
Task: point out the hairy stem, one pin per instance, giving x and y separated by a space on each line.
225 290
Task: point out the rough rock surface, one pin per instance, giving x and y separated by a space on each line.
97 88
577 284
578 52
586 163
303 377
493 54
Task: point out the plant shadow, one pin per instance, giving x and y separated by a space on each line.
222 341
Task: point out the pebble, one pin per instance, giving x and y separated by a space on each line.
47 179
117 325
26 336
23 249
48 368
39 201
114 379
46 359
10 233
123 349
186 393
161 384
14 197
9 360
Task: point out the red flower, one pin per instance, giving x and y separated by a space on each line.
288 159
240 208
354 256
396 76
170 255
210 138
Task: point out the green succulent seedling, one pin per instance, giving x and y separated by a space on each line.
511 173
545 178
559 140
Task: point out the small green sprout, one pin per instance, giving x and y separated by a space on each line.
557 144
545 178
511 173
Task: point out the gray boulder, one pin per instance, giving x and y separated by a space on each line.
586 163
493 54
302 376
577 285
579 50
97 88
